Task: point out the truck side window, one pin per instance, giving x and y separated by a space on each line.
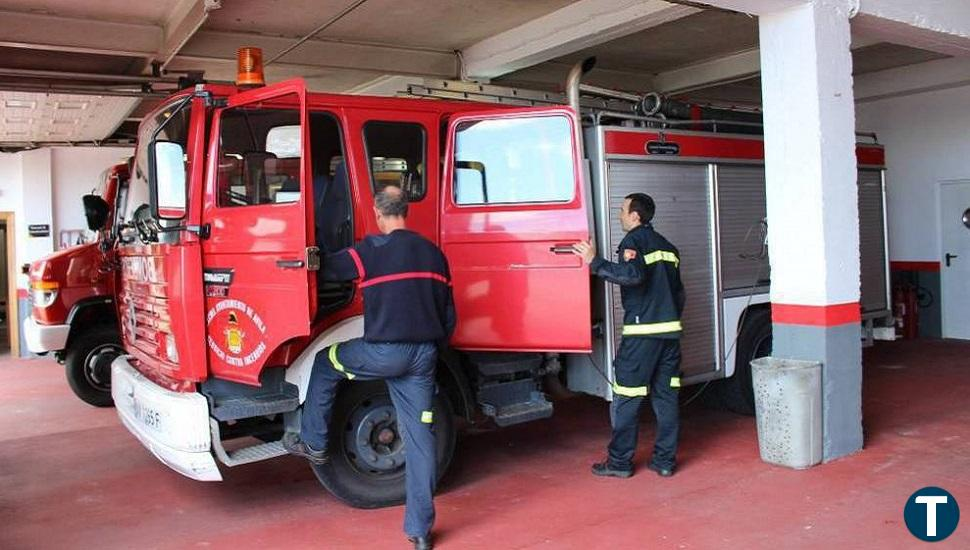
396 153
259 157
514 160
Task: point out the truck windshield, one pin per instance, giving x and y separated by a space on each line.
177 131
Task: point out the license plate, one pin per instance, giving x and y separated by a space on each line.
146 414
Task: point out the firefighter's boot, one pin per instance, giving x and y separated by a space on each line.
604 469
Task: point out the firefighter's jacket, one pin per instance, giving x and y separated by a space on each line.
406 286
648 272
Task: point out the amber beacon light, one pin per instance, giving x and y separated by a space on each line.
249 67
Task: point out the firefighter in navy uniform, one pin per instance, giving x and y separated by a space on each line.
408 312
648 360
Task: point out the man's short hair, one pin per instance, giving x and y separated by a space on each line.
391 202
643 205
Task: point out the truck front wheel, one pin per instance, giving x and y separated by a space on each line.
88 364
366 468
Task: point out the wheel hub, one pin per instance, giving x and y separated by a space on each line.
97 366
373 439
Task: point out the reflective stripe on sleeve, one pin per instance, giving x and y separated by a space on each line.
662 256
336 362
652 328
630 391
427 417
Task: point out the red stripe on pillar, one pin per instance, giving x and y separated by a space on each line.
22 293
820 316
933 267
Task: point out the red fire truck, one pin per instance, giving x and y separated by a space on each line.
72 291
238 194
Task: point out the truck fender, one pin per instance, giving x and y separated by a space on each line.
96 310
298 373
450 376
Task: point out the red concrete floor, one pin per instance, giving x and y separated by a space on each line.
72 477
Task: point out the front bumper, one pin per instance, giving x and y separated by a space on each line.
173 426
45 338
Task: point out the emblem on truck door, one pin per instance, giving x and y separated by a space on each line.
236 333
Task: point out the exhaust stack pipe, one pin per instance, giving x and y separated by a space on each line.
572 81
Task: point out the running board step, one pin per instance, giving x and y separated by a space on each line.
244 455
256 453
523 412
235 408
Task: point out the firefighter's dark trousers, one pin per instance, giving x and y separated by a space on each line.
409 371
645 366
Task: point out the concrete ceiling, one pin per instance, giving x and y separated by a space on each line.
357 43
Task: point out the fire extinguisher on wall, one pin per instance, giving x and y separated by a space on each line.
906 311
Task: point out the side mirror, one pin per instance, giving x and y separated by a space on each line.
96 211
166 177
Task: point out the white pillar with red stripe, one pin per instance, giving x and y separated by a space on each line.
813 233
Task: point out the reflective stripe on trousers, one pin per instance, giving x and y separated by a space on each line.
652 328
630 391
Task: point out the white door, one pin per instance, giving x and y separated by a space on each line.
955 258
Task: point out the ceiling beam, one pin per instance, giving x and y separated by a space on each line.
578 26
940 74
940 26
55 33
724 70
754 7
185 20
321 54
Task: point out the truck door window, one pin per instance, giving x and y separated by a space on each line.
514 160
396 153
259 156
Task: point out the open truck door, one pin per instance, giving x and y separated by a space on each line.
259 261
514 205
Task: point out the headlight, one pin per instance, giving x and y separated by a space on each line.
43 293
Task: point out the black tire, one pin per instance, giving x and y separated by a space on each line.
357 480
88 364
736 394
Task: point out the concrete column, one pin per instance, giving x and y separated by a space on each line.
813 217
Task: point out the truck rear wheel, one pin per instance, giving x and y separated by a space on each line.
88 364
737 393
366 468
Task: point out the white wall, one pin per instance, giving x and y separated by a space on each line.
927 139
44 186
35 207
10 178
76 171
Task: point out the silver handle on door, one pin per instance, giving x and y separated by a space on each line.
561 249
290 264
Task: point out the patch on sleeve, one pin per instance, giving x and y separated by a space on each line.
629 254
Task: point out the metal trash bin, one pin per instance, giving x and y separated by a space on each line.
788 406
